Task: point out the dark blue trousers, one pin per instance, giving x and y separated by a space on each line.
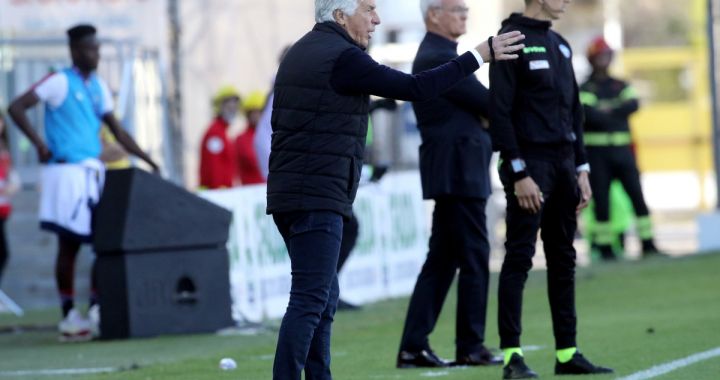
313 242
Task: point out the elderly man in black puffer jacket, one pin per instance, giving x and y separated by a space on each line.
319 125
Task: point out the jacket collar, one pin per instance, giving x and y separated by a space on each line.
519 19
219 120
440 40
333 27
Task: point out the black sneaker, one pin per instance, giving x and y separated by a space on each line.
578 365
421 359
606 253
650 250
517 369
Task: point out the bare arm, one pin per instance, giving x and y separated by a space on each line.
111 150
17 111
126 141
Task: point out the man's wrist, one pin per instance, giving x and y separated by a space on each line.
583 168
492 50
477 56
518 167
517 177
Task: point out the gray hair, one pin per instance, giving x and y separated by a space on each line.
425 6
324 9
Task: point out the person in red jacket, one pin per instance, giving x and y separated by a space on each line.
217 153
9 183
247 162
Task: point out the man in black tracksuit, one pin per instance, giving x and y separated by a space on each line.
609 102
536 123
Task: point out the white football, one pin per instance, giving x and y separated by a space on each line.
227 364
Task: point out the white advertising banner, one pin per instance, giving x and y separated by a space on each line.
403 232
385 263
243 285
362 279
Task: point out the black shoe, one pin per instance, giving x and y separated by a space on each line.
346 306
517 369
606 253
481 357
650 250
578 365
422 359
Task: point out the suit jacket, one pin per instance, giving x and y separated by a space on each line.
456 147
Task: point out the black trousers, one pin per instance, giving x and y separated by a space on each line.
607 164
459 240
557 223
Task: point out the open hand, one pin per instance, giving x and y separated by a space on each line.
503 47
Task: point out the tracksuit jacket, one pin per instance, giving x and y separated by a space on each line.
536 112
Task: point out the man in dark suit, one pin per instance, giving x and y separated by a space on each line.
454 167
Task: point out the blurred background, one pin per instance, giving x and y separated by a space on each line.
165 59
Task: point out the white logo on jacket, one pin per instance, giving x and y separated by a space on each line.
565 51
215 145
539 65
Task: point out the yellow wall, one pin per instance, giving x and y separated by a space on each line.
672 135
675 134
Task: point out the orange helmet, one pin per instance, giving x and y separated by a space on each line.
597 47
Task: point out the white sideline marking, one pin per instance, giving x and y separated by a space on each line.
435 374
662 369
532 348
57 372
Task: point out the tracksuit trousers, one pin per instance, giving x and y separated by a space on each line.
557 179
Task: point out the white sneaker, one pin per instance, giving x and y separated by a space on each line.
74 328
94 317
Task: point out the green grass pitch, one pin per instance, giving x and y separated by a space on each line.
632 316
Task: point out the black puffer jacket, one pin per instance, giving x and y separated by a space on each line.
318 135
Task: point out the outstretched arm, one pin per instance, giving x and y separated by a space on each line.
126 141
469 94
356 72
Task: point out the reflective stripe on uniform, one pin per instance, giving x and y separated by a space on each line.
603 233
629 93
644 228
607 138
588 99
